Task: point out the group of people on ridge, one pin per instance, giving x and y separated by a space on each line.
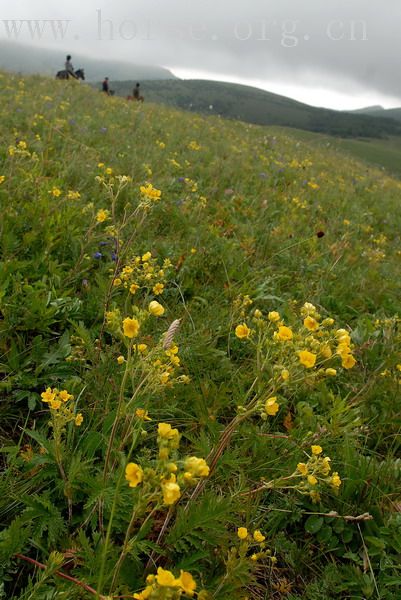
69 70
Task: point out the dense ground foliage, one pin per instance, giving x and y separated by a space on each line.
200 357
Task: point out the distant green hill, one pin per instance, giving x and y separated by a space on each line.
367 110
259 107
31 59
392 113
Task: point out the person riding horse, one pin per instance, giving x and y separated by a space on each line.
136 94
69 71
79 74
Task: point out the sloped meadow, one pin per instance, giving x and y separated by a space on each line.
200 357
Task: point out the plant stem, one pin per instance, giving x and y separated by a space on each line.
62 575
124 551
109 526
117 417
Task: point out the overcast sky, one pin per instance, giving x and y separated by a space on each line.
336 53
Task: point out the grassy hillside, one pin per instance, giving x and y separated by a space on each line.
384 154
200 357
33 59
256 106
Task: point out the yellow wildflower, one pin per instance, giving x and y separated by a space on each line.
312 480
142 348
284 333
133 474
48 395
316 450
142 414
133 288
326 468
325 351
130 327
156 309
315 496
196 466
120 360
2 179
186 583
171 491
258 536
311 324
55 192
65 396
165 377
273 316
166 432
242 533
165 578
145 594
242 331
102 215
335 480
331 372
306 358
150 192
285 375
79 419
348 361
302 468
271 406
158 289
73 195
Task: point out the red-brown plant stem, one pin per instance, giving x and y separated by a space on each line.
81 584
86 587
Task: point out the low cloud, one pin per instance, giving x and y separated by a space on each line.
353 46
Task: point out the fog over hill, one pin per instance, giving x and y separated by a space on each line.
31 59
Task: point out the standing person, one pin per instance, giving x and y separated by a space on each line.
105 86
69 68
137 93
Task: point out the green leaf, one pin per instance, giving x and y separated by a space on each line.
313 524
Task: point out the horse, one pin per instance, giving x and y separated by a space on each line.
79 74
138 99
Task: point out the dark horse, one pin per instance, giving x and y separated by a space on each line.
79 74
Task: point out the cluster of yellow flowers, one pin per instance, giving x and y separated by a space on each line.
165 585
249 541
78 350
114 184
241 305
73 195
107 172
21 149
150 193
303 164
164 482
314 343
160 362
193 146
57 401
144 272
317 471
